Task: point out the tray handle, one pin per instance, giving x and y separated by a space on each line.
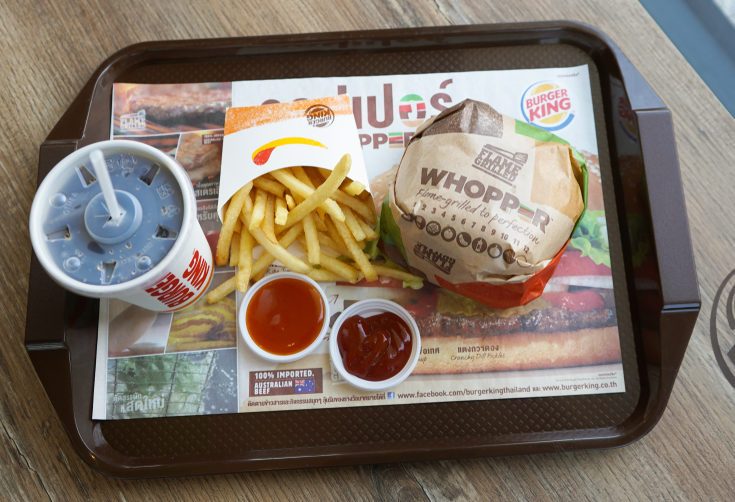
679 287
679 292
670 225
45 317
668 321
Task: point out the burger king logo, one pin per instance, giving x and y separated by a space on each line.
412 110
319 116
547 105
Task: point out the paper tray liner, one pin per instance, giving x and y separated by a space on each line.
370 426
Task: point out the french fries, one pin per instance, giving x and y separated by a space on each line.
261 198
269 218
279 252
303 190
321 275
290 202
336 238
352 223
312 239
344 271
385 271
321 194
221 291
228 224
370 233
268 185
356 205
322 212
356 252
245 262
301 175
354 188
281 212
234 252
261 265
328 245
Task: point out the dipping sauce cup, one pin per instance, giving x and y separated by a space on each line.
284 317
379 340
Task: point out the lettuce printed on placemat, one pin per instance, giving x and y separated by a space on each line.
590 237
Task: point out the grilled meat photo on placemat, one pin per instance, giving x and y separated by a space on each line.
560 329
200 153
161 108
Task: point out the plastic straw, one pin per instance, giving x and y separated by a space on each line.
108 191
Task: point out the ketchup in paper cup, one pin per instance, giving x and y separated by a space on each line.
375 344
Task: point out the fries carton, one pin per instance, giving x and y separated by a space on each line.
261 139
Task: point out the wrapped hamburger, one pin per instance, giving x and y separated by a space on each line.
484 205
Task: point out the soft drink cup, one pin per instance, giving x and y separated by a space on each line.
152 253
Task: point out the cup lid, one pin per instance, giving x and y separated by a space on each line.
71 229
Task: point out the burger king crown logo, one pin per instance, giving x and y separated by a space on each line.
547 105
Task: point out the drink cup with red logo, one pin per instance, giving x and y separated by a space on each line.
117 219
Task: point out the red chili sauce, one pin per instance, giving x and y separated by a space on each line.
375 348
285 316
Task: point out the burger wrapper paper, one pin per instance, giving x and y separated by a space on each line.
484 204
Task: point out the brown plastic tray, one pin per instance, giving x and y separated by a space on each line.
657 303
